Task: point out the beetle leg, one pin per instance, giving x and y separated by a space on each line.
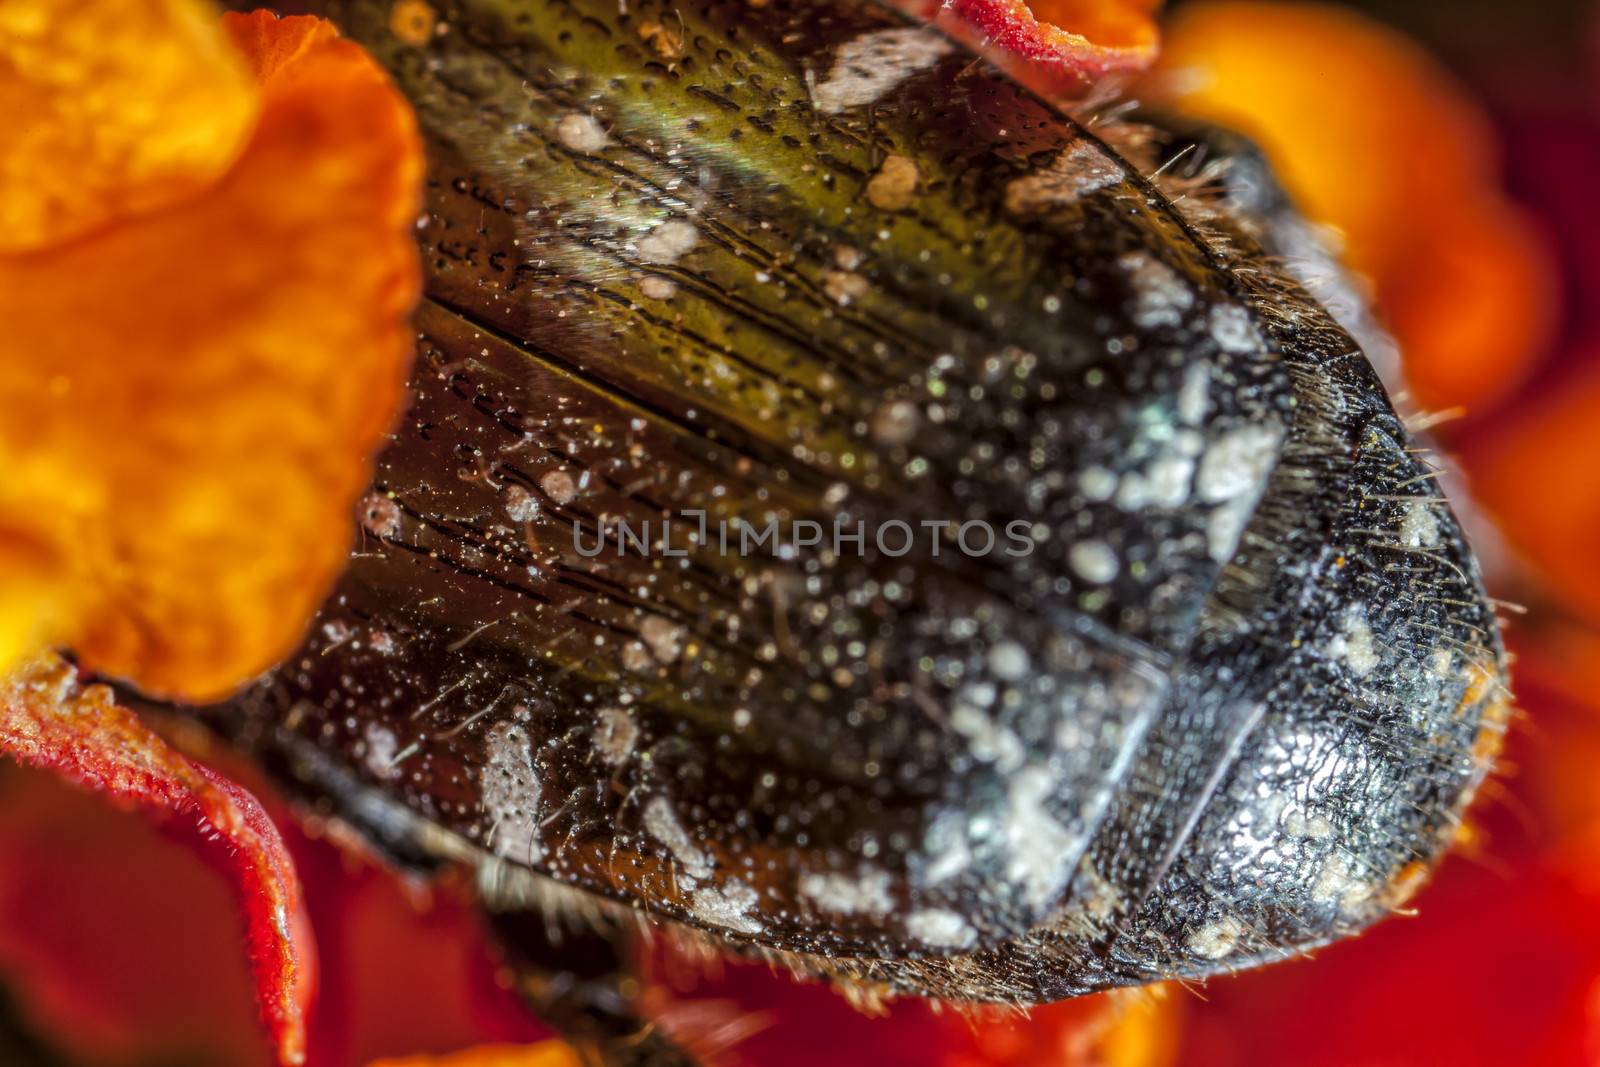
575 977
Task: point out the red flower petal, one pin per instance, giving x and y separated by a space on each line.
1083 38
48 720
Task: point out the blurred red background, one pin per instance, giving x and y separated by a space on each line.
118 943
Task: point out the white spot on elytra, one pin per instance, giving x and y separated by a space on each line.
1166 478
559 487
1297 823
895 423
1097 483
1160 297
1194 397
510 786
1216 939
1080 171
615 734
1093 561
668 241
1338 886
380 515
663 637
635 657
381 749
582 133
866 893
1236 463
1097 897
1225 526
521 505
940 928
661 823
866 68
1233 473
947 843
1163 484
727 906
987 740
1232 330
1419 527
1039 845
843 286
658 288
1008 661
894 186
1354 643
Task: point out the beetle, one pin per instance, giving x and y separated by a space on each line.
1090 617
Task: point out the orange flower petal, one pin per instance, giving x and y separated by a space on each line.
544 1054
1374 138
1333 97
48 721
193 396
1473 308
1084 38
117 107
272 45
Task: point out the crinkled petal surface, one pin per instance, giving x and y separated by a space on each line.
193 395
1085 38
271 45
49 721
114 107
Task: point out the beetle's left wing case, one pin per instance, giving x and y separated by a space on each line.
1216 690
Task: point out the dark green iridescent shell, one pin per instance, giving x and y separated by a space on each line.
1219 685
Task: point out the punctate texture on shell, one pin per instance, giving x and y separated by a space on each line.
1218 693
